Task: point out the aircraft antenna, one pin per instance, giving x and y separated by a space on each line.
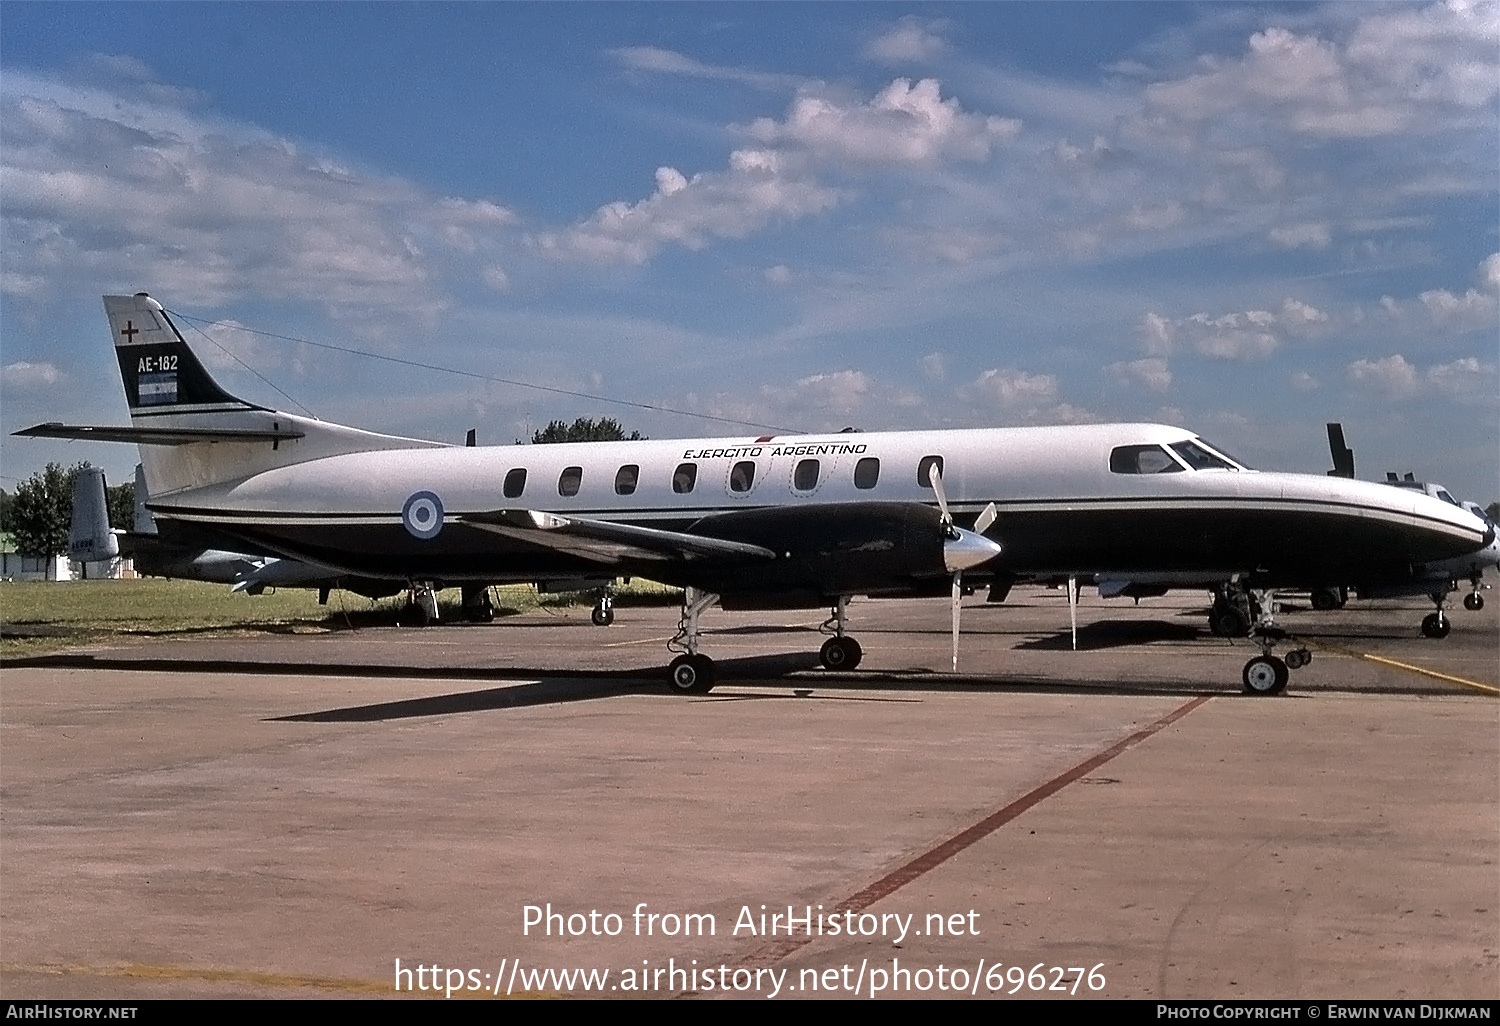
245 365
484 377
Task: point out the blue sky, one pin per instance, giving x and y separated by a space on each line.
1244 219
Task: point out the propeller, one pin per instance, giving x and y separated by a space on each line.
961 548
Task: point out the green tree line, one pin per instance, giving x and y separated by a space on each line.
37 514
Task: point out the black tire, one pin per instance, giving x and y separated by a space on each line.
1436 626
690 675
840 654
1325 599
1266 675
1474 602
1228 622
602 616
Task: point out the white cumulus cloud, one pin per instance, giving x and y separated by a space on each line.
905 123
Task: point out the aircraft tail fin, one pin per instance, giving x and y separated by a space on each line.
160 372
89 536
191 430
144 523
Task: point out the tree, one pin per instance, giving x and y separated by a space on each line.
1493 509
585 429
120 500
38 513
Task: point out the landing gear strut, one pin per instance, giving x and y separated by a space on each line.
1474 601
604 606
839 652
1437 625
1234 610
691 673
1266 674
477 605
421 605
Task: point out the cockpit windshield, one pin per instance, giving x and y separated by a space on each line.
1200 457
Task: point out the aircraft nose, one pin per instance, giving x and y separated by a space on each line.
964 549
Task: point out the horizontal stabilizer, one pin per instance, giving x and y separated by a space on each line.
155 435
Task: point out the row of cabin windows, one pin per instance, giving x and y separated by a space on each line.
741 477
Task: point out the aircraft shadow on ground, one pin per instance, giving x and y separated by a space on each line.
1103 634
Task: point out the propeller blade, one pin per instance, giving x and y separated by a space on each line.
935 478
986 518
1073 608
958 593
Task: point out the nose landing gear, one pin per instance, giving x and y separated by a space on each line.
1266 674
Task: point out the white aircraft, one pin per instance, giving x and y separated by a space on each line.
746 523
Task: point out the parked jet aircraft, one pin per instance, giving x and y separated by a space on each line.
751 523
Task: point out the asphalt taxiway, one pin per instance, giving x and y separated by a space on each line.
289 815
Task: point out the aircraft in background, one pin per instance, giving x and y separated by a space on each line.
747 523
1237 603
1436 579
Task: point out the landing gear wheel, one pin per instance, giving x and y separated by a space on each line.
602 616
840 654
1228 622
414 614
1436 625
1298 658
1266 675
690 675
1324 599
1474 602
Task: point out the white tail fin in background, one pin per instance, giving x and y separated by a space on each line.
89 536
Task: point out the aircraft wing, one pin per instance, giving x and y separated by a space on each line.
607 542
155 436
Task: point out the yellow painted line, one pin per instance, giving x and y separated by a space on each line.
1432 673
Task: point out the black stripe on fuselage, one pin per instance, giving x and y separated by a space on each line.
1291 539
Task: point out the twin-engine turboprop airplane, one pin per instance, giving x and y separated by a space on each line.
751 523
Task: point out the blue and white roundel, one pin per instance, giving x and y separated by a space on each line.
423 515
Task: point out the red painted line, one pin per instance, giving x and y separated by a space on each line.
935 856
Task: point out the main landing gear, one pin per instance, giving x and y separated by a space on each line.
604 606
421 605
477 606
693 673
1437 625
839 652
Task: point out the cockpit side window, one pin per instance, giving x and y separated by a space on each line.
1199 458
1142 459
1220 451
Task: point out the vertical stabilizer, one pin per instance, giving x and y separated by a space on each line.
192 432
144 523
89 536
161 374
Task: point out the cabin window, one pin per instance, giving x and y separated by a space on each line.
805 477
867 472
742 476
515 483
625 479
1199 458
684 477
1142 459
569 480
924 470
